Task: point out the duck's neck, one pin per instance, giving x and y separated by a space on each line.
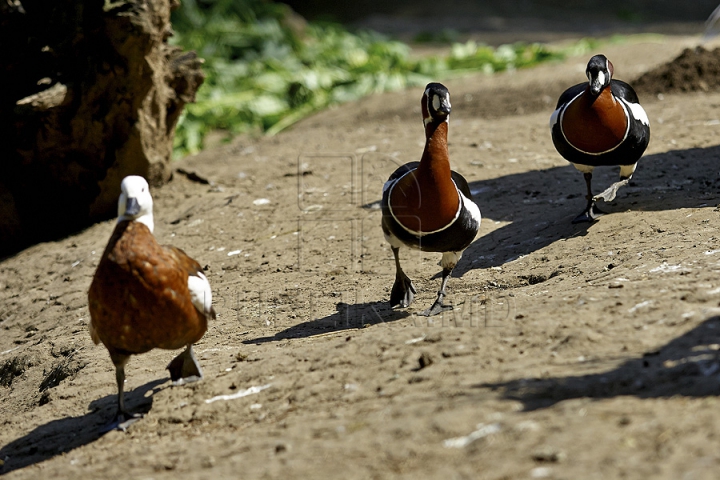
427 200
435 162
146 219
439 199
605 97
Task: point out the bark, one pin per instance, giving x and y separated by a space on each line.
91 92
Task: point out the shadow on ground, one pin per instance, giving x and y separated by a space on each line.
66 434
347 317
688 365
541 204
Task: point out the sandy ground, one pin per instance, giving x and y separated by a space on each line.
574 351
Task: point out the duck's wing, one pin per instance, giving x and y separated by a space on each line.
623 90
461 184
198 284
571 93
402 170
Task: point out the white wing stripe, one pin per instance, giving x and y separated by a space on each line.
637 112
200 292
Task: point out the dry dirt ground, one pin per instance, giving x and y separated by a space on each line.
574 351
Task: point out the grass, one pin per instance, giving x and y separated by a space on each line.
267 68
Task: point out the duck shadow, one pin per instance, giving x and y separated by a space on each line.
688 365
347 317
66 434
541 204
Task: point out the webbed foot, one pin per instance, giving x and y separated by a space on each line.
590 214
122 421
403 291
609 194
437 307
185 368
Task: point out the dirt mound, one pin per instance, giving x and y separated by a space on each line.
694 70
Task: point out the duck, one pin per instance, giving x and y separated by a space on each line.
145 295
600 123
427 206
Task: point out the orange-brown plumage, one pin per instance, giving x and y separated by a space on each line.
145 295
595 124
139 298
428 206
600 123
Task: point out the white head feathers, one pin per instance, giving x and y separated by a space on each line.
135 202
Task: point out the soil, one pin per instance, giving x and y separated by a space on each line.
694 70
574 351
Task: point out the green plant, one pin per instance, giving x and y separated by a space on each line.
266 68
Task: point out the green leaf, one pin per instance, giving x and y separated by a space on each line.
265 70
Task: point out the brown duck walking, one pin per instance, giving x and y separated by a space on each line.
597 123
427 206
145 295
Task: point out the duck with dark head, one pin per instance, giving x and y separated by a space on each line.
600 123
427 206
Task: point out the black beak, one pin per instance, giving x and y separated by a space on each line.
132 207
444 109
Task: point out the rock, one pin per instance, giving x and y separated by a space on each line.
14 367
548 454
425 360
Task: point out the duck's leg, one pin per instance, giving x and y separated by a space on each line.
403 290
185 368
626 173
123 419
591 212
438 306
